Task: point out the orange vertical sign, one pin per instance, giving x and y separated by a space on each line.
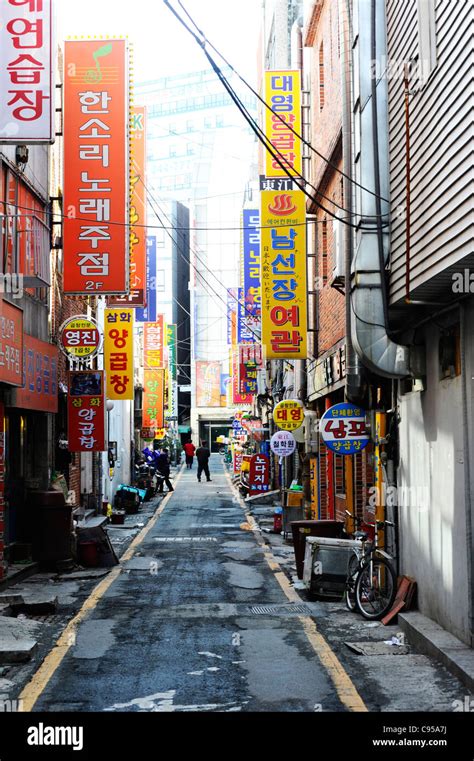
153 343
96 236
136 296
153 399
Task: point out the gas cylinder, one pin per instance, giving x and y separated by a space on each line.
278 520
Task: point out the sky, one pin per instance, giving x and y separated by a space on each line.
161 46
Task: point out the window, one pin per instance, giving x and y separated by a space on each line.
426 39
450 352
321 76
160 281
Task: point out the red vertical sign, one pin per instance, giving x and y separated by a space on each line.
259 477
2 491
86 411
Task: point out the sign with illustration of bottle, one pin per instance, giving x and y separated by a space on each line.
283 443
80 338
288 414
343 428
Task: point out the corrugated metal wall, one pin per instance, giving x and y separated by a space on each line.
442 145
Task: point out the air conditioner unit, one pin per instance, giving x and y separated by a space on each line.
326 562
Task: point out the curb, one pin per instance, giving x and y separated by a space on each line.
431 639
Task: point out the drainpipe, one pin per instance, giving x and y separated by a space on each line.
369 299
356 387
467 414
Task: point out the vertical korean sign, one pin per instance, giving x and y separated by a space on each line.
96 236
136 296
153 344
153 399
86 411
118 353
232 296
26 71
283 95
283 269
148 313
250 295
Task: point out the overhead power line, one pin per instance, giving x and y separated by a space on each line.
267 106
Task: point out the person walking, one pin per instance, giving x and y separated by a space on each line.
203 454
163 468
189 450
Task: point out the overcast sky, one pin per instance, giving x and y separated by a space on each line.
161 46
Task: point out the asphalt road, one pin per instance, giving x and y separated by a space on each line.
190 623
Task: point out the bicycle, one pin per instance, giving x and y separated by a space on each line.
371 583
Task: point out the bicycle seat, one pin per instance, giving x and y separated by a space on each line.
361 535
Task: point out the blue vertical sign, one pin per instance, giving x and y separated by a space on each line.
148 313
249 322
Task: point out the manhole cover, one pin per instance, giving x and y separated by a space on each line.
281 610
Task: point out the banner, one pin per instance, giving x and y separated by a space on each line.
27 89
40 377
171 335
148 313
153 399
153 344
11 344
86 411
250 308
283 95
138 252
237 396
96 252
118 353
232 295
284 280
208 384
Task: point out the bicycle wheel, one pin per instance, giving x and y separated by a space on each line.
375 588
352 571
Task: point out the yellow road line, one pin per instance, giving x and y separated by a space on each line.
40 679
345 687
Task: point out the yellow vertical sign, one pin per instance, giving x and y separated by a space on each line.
118 353
283 274
283 95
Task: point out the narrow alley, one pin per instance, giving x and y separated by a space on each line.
206 620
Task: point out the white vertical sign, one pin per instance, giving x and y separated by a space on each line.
26 71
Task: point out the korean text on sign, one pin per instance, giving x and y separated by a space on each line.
153 399
118 353
136 297
96 238
153 343
86 411
26 71
343 429
283 272
283 95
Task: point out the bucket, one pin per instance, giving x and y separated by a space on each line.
88 554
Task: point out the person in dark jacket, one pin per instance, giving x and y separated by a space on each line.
203 454
163 471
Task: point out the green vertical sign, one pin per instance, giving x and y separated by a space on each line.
171 337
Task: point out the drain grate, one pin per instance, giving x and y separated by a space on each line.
281 610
